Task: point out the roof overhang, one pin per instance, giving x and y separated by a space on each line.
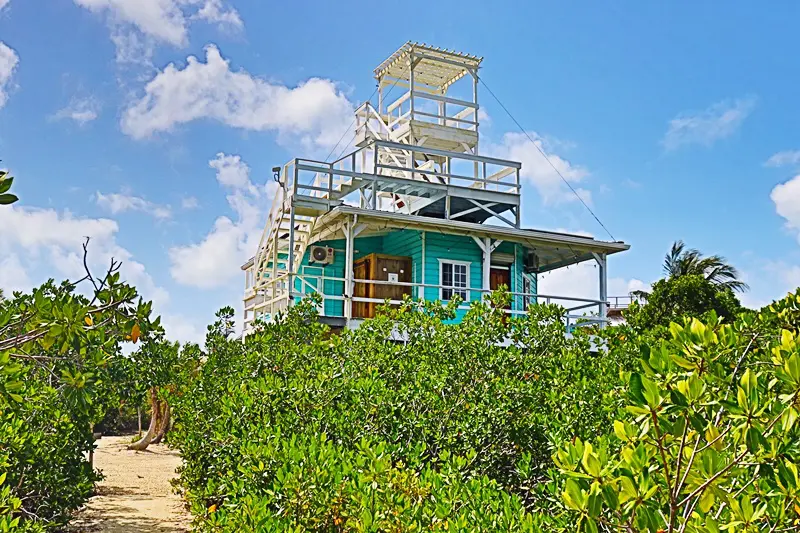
553 250
434 67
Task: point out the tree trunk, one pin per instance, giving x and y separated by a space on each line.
145 441
163 425
139 416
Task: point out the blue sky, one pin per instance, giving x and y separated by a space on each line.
674 121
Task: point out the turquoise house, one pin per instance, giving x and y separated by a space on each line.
413 210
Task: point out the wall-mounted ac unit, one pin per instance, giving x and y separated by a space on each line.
321 255
531 262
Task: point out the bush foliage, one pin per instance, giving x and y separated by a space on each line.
60 371
413 423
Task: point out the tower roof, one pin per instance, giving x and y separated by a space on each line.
436 68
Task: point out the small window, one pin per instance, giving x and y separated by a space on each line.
455 280
526 289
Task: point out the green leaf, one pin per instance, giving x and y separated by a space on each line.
635 388
707 501
5 184
6 199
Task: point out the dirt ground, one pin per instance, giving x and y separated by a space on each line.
136 494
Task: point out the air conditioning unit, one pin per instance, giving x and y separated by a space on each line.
321 255
530 262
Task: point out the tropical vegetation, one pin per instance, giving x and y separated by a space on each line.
682 419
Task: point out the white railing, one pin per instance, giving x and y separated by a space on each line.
278 297
380 164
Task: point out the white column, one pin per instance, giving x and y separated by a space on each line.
290 259
487 263
348 269
603 273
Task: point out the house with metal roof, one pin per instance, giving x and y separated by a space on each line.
413 209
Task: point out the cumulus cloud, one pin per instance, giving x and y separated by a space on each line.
315 112
718 121
8 64
215 261
80 110
582 281
120 203
3 3
215 12
538 172
50 241
786 197
138 25
13 275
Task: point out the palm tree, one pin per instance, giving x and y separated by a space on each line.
681 261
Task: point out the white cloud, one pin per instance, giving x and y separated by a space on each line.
8 64
783 159
215 12
138 25
537 171
705 127
37 244
50 241
13 276
182 329
120 203
162 19
189 202
314 113
80 110
582 281
3 3
786 197
215 261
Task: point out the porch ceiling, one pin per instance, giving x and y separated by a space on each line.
553 250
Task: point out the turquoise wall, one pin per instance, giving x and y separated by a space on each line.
409 243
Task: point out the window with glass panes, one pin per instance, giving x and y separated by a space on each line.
455 279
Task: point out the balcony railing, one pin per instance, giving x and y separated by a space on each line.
276 297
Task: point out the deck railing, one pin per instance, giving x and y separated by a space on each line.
380 164
276 297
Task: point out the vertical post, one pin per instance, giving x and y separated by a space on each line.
411 85
422 295
380 95
348 270
374 199
487 264
475 116
603 273
289 279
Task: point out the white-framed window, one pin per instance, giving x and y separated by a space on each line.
527 287
454 278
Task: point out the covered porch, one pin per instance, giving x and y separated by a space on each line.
433 259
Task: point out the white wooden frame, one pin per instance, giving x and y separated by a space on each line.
453 288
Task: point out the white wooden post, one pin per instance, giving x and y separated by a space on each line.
487 264
348 270
289 279
422 294
603 274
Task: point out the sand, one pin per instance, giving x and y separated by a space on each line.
136 494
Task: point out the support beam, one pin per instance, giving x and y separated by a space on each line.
602 264
487 263
348 269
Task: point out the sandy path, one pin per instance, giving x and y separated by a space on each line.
136 494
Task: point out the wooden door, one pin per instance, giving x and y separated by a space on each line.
500 276
361 270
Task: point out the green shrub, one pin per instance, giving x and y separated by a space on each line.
57 379
437 391
708 441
